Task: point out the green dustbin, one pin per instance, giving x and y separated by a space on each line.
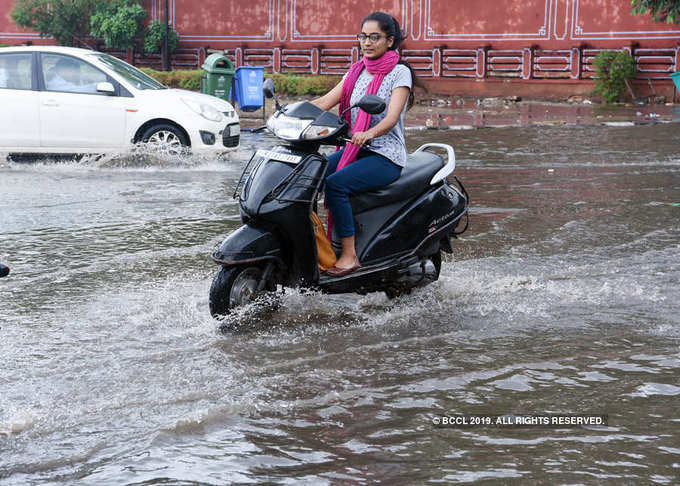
219 71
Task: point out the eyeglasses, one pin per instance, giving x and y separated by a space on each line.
373 37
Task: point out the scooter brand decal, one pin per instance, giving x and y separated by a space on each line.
440 221
436 222
270 154
452 196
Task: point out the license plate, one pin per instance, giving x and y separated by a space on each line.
270 154
234 130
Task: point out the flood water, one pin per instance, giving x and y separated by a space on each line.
562 298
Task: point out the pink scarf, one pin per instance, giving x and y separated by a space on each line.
379 68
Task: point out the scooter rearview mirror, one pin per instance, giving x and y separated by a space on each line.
268 91
372 104
268 88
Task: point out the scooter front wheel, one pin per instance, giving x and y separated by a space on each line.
233 287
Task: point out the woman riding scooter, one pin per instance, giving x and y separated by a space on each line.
354 169
404 219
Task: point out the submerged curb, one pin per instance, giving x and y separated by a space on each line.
421 128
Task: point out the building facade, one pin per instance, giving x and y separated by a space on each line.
483 47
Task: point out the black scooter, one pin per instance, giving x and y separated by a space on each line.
401 229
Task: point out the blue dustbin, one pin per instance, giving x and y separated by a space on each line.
248 82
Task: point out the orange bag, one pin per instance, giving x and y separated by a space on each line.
324 250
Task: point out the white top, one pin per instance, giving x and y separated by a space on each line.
391 145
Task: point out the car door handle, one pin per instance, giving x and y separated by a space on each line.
50 103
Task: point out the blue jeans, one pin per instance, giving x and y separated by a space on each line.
370 171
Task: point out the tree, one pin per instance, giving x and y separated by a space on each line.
661 10
118 22
155 36
65 20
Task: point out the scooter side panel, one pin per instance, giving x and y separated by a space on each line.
428 217
369 223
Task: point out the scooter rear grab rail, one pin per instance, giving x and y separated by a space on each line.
450 165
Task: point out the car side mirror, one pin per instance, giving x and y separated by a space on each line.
106 88
372 104
268 88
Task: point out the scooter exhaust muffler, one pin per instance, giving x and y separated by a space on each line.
418 273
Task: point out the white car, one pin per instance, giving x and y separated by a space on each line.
63 100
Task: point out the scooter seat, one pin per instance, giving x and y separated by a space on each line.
416 175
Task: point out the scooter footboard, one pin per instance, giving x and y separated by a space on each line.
247 245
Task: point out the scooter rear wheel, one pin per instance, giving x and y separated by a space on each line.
233 287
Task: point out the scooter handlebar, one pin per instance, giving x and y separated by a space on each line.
349 140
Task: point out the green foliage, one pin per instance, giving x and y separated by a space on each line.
118 22
661 10
285 84
65 20
154 37
185 79
612 70
294 85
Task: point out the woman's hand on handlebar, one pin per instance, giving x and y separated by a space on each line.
362 138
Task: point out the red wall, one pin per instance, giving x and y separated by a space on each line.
475 46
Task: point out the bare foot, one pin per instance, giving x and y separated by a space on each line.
347 262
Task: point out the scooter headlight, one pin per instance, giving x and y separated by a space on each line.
287 127
314 132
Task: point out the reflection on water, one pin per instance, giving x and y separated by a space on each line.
562 298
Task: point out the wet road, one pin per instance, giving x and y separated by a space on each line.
562 298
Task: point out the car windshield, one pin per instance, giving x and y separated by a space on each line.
131 74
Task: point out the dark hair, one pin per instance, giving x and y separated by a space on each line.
390 27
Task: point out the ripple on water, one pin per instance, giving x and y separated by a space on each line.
115 373
651 389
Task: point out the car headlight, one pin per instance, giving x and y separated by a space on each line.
317 131
206 111
287 127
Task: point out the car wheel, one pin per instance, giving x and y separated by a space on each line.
166 139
